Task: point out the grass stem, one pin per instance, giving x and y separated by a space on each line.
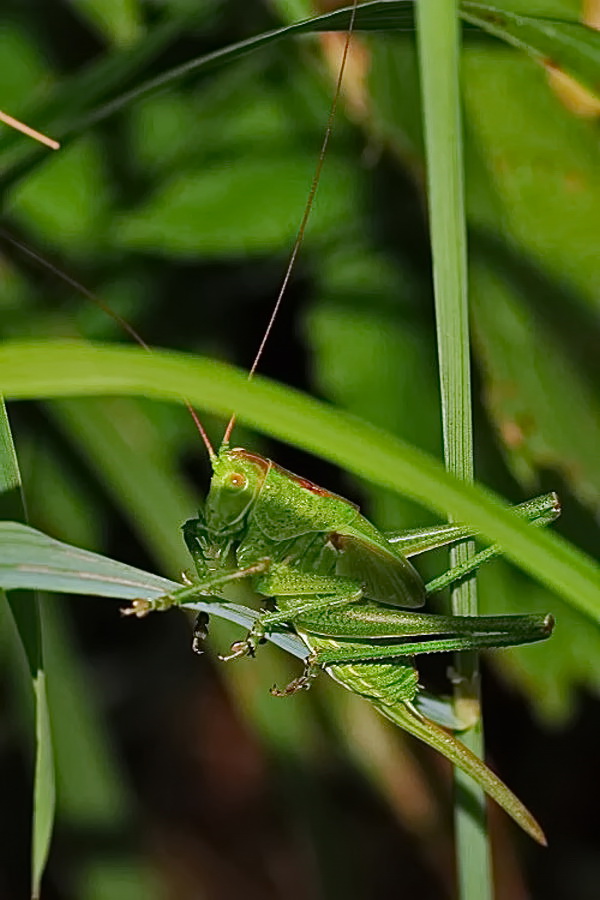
439 50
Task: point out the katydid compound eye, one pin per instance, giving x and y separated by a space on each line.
236 480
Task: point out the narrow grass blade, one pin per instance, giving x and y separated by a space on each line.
439 57
29 628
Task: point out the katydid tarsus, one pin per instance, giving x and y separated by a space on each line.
316 566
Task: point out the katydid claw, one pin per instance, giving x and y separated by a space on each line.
298 684
238 650
139 608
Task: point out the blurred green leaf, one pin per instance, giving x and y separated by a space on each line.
533 388
119 20
361 293
66 201
24 72
543 166
552 673
149 488
190 215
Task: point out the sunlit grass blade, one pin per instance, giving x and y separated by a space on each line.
60 369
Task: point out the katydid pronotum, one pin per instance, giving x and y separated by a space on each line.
340 584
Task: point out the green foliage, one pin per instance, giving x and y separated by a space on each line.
175 198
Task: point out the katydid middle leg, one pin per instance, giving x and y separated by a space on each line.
296 593
540 511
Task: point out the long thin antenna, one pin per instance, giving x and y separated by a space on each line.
123 323
307 211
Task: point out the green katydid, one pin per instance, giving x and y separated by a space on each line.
340 584
337 581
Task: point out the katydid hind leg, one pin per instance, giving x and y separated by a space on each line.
331 652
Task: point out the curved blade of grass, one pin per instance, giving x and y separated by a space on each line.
98 93
31 559
57 369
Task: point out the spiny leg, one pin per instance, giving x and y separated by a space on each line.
267 620
203 588
492 631
540 511
303 682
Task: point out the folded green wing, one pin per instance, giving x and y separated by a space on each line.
386 576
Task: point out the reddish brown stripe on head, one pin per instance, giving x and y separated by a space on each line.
311 486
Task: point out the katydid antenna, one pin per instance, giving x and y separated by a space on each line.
288 272
307 211
123 323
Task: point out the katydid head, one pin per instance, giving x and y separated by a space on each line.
235 484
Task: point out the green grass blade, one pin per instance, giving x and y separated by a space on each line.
44 787
59 369
10 478
33 560
439 57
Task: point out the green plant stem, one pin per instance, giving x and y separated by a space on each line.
439 49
